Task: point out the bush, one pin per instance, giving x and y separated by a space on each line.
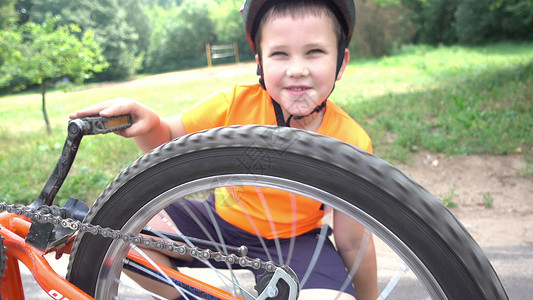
470 21
433 20
380 29
118 26
474 21
179 38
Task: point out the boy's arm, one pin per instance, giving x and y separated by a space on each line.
165 130
350 239
148 130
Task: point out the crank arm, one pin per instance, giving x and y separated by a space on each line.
41 234
77 128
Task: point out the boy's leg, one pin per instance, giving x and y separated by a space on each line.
328 275
179 216
159 222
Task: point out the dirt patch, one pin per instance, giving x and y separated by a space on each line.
493 200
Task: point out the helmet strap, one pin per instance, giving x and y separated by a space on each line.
280 119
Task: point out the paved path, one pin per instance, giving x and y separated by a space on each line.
514 264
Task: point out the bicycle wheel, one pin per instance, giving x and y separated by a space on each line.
411 224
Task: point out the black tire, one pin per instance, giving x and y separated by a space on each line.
410 220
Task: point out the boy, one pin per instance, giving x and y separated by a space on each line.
301 50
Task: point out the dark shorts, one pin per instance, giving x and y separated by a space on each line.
329 271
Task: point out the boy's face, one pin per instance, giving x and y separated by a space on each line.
299 59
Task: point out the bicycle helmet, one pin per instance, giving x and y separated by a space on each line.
254 10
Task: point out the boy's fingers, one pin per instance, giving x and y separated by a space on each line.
142 117
109 108
93 110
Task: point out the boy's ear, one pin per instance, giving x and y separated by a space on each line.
345 62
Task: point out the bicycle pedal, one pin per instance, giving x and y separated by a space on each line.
39 235
101 125
44 236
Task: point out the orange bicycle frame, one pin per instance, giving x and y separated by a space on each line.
14 229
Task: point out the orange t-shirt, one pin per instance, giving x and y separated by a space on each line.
268 212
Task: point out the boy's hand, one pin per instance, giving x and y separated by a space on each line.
144 119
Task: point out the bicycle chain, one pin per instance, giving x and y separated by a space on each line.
3 257
195 252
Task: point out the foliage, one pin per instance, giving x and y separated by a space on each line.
41 52
23 8
434 20
161 3
471 21
180 36
8 15
228 26
139 20
154 36
449 199
120 27
488 200
44 53
471 12
381 27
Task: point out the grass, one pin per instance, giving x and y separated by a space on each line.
450 99
449 199
488 200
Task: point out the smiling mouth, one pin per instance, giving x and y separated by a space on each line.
297 89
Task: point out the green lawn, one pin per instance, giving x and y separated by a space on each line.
450 99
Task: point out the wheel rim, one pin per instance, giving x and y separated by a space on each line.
109 273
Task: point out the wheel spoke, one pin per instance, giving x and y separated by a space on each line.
403 221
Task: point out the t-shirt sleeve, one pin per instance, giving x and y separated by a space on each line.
208 113
338 124
368 146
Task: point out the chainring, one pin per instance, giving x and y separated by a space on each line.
282 289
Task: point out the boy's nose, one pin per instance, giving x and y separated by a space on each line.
297 69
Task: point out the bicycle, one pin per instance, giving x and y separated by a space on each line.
414 228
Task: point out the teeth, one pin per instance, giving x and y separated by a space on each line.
297 89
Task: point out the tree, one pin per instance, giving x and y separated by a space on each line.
434 20
8 15
23 9
475 21
45 53
120 27
180 35
228 26
471 21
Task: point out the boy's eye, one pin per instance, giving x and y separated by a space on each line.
316 51
278 53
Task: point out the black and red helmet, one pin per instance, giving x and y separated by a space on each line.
254 10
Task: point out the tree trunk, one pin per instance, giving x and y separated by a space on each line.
45 115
